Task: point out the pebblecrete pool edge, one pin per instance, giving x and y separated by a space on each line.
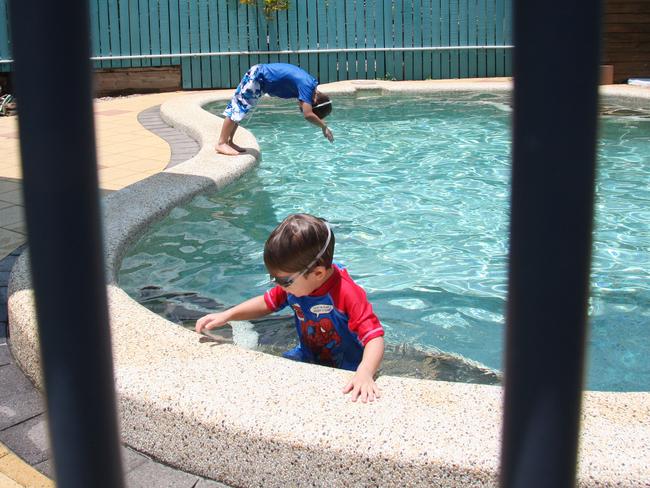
250 419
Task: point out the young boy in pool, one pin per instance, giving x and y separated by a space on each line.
279 80
334 320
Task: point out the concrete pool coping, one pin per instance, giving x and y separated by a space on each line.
250 419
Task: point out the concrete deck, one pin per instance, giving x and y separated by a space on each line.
250 419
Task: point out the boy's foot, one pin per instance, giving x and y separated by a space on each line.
236 147
226 149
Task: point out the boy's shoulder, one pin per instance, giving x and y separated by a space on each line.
347 288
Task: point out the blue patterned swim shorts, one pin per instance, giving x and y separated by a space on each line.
246 96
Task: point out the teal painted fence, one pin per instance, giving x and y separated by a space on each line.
346 39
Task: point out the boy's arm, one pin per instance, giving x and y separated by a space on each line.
250 309
362 385
311 117
373 353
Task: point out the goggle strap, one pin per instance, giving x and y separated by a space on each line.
329 102
322 251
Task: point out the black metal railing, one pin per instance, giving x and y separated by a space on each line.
556 70
57 144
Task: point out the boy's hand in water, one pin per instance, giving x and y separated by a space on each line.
328 134
211 321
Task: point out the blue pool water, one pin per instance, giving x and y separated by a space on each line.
416 188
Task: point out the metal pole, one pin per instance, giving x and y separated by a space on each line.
57 143
556 75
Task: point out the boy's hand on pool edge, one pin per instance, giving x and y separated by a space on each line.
211 321
363 387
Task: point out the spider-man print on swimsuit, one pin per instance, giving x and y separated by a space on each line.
333 323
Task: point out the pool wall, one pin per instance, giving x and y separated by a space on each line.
251 419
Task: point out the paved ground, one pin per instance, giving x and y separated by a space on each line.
127 152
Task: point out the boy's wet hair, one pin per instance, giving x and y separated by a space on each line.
296 242
322 105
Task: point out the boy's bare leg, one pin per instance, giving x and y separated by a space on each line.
232 144
227 130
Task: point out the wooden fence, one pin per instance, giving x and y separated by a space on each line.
334 39
626 38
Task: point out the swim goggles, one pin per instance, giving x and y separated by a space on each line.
287 281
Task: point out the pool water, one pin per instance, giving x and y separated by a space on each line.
417 191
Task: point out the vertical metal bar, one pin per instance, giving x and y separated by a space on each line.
57 143
555 119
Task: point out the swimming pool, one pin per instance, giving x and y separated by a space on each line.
417 191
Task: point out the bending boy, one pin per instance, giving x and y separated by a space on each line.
279 80
334 320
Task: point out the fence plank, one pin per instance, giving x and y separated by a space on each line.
360 37
5 50
389 60
301 9
427 39
321 41
341 40
165 40
398 32
462 38
264 28
453 38
369 39
283 34
95 48
269 27
293 31
222 36
350 9
154 29
145 35
114 22
331 13
194 43
418 11
445 60
380 66
242 35
507 36
436 67
204 46
236 72
482 38
104 33
491 38
407 26
254 42
124 32
472 39
499 53
184 35
312 37
213 44
174 30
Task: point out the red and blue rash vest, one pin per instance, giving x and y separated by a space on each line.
334 323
